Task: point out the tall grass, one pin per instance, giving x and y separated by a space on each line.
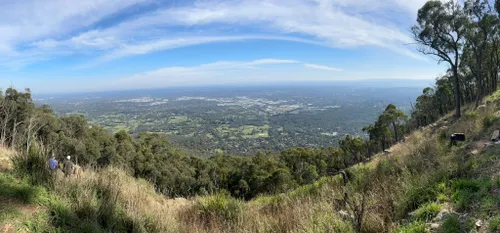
104 201
412 179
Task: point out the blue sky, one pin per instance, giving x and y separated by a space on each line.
94 45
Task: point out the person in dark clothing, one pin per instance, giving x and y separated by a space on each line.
68 166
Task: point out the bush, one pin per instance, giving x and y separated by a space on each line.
471 115
467 191
417 196
220 207
34 166
451 224
427 211
488 121
495 223
442 136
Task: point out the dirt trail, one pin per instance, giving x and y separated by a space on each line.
8 204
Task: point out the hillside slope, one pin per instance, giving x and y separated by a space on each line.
422 185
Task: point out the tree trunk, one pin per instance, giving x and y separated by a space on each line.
395 131
14 132
457 92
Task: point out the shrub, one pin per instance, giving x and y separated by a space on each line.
471 115
220 208
33 165
451 224
427 211
488 121
417 196
495 223
442 136
467 191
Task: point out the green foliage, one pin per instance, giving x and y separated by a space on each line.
389 127
427 211
34 166
466 192
23 190
413 227
453 224
489 121
496 95
442 136
494 224
416 196
220 208
472 115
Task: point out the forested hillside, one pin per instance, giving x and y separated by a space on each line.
423 184
173 171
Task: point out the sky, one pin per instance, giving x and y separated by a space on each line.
96 45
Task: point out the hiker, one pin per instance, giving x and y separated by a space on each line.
68 166
53 164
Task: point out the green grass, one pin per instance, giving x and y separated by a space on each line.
451 224
427 211
8 212
468 192
413 227
22 190
493 97
495 223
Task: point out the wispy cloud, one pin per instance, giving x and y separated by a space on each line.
328 22
321 67
24 22
166 44
210 73
51 28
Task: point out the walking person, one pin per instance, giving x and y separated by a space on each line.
68 167
53 163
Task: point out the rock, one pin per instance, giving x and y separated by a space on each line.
495 136
435 226
481 108
441 215
345 215
479 223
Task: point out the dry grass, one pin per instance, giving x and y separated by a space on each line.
135 197
6 155
397 184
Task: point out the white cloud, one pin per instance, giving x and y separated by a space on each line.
53 27
321 67
210 73
27 21
166 44
326 22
